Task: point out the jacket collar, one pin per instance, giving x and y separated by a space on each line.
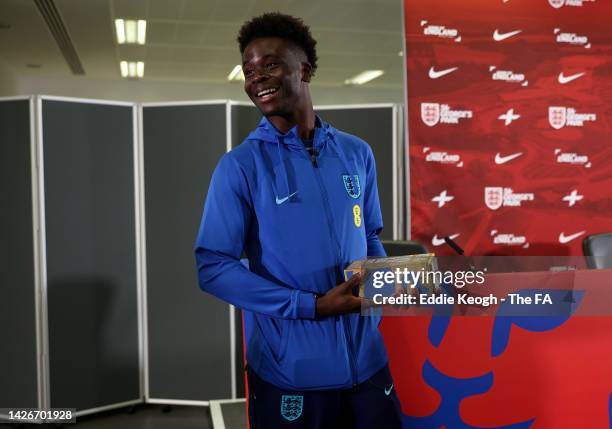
266 131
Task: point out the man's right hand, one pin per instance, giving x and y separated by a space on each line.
340 299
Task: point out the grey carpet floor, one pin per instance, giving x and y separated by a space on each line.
234 415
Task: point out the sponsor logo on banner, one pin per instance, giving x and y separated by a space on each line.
572 198
509 239
564 239
440 31
508 117
440 241
443 157
442 198
571 38
496 197
557 4
559 117
567 79
498 37
572 158
436 74
503 159
434 113
508 76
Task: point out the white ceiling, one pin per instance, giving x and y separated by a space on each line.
195 40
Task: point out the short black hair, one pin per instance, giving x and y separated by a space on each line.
277 24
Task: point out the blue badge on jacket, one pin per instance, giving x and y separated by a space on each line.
291 407
351 184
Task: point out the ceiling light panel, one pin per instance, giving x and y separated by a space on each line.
236 73
364 77
131 31
132 69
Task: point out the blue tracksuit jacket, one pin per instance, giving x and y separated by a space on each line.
301 219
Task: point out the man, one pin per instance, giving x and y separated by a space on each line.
300 197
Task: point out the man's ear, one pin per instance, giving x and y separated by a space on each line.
306 71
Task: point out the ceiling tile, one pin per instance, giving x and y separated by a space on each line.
161 32
198 10
221 36
165 9
158 53
129 8
190 34
231 11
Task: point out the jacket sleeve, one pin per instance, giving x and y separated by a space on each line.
372 213
223 230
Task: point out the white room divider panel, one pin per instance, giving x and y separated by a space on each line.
189 335
90 276
20 373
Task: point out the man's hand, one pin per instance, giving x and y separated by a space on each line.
340 300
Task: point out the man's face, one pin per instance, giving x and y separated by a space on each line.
275 72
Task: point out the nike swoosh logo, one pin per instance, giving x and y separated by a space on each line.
566 79
440 241
498 37
436 74
279 201
503 159
388 391
567 238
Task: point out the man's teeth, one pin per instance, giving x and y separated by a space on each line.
266 92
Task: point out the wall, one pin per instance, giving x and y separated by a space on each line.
7 81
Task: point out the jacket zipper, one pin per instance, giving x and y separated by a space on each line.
345 318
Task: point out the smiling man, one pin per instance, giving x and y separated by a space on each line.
300 197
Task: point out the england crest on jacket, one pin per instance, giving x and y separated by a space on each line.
352 186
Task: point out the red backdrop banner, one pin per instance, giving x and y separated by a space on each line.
510 136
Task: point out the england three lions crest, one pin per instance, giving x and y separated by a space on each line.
352 186
430 113
494 197
291 407
557 117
